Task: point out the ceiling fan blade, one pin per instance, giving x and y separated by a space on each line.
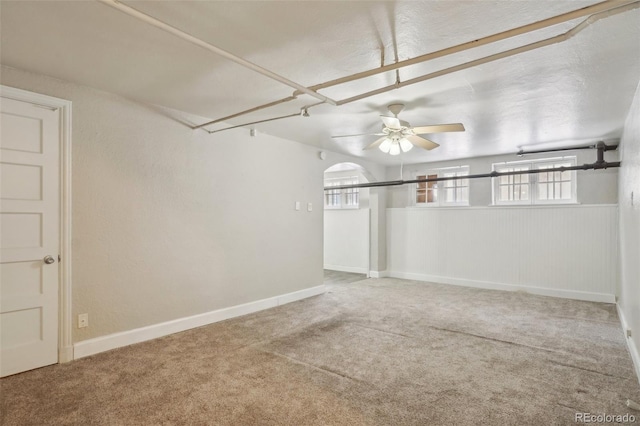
375 144
422 142
361 134
391 122
439 128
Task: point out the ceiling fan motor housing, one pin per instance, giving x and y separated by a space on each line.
398 135
395 109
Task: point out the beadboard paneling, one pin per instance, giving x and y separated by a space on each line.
567 251
346 240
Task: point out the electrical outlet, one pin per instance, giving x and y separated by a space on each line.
83 320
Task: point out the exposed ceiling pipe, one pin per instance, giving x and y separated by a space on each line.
210 47
598 165
597 11
302 112
601 146
522 153
593 166
555 20
247 111
501 55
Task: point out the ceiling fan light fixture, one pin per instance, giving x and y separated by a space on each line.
398 136
395 148
405 145
385 146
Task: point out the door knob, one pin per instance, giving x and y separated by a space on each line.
49 260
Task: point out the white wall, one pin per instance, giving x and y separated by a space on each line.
629 207
558 251
169 222
346 240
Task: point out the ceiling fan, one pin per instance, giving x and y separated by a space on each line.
398 135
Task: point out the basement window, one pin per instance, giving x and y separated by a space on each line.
536 188
453 192
342 198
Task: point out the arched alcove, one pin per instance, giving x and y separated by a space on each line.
347 166
347 219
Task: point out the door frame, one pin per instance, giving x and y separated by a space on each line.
65 320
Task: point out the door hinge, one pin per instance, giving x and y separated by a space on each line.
59 258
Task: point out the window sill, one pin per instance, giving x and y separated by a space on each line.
342 208
570 203
438 206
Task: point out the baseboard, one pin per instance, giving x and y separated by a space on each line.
300 294
104 343
489 285
633 348
378 274
353 269
65 354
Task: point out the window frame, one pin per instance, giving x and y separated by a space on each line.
344 194
534 181
440 187
495 183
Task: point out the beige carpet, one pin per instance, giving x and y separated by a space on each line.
373 352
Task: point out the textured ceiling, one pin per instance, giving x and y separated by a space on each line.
576 91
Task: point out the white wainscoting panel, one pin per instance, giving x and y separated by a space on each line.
346 240
564 251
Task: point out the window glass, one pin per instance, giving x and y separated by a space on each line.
341 198
445 192
538 188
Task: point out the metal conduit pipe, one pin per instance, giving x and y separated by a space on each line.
246 111
303 112
210 47
599 164
522 153
598 145
256 122
501 55
592 166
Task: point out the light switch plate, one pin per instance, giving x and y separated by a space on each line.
297 205
309 207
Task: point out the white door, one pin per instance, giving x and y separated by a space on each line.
29 236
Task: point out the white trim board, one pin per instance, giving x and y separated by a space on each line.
65 323
510 207
117 340
633 349
353 269
488 285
